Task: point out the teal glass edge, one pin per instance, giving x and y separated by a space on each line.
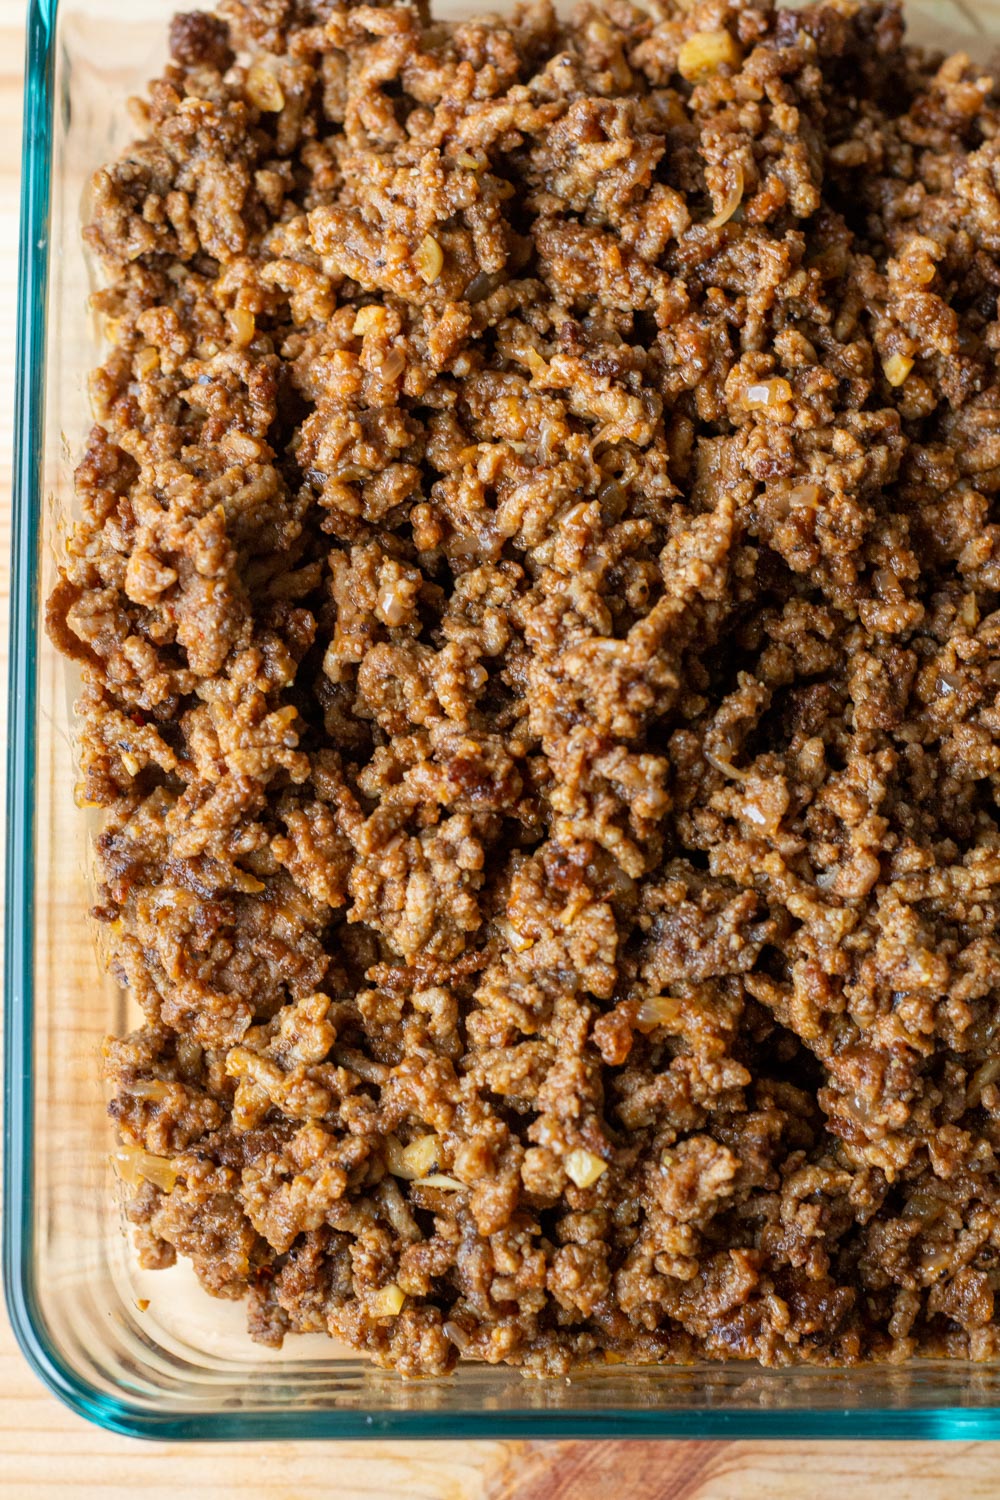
40 1349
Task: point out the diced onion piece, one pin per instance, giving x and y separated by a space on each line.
480 287
250 1103
925 1207
456 1334
241 446
429 259
535 362
517 942
572 910
148 1088
263 89
705 52
806 495
987 1073
392 607
659 1010
765 393
132 765
134 1165
242 325
415 1160
830 262
393 1148
969 612
726 767
612 495
146 361
923 271
439 1180
387 1301
583 1167
464 546
936 1261
897 367
421 1156
367 318
393 365
887 585
731 202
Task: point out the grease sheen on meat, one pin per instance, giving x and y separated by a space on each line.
536 598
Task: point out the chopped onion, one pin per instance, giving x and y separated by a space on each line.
134 1165
147 361
969 612
806 495
420 1157
765 393
659 1010
725 767
393 365
392 607
936 1261
583 1167
705 52
263 89
987 1073
368 317
925 1207
243 326
456 1334
887 585
149 1088
480 287
730 203
897 367
534 361
387 1301
429 259
241 446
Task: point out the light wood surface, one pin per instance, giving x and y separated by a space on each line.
46 1452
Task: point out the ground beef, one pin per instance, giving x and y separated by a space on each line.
537 596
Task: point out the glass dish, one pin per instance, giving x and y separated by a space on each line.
150 1354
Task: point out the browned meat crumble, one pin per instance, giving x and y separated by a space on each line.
538 603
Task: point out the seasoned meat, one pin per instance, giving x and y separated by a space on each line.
537 595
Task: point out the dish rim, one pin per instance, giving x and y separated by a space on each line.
117 1413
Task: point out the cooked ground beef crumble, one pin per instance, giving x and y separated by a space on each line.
537 604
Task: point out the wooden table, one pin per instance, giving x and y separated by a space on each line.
48 1454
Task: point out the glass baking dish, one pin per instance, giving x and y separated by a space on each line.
151 1354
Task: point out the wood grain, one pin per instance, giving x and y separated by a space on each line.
47 1453
745 1471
